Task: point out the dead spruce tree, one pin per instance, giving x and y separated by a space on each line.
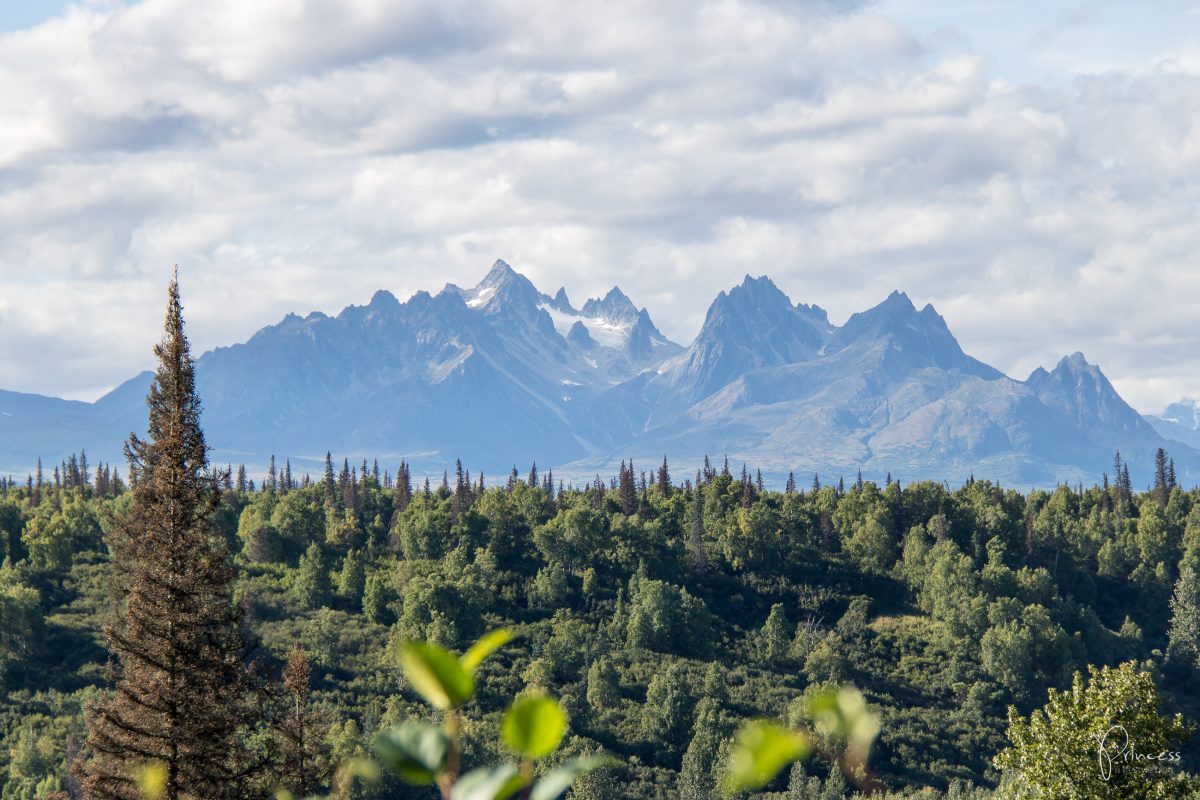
302 767
181 684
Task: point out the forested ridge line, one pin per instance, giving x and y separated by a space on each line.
662 612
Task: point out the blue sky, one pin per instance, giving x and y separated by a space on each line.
1052 41
1031 169
18 14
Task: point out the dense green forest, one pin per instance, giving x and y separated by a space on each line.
661 612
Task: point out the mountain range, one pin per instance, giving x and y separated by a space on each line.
503 374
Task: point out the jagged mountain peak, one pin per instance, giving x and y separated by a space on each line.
579 336
561 302
750 326
752 297
614 306
922 337
1071 368
1083 392
761 296
384 299
501 290
500 273
1076 360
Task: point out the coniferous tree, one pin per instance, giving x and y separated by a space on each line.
697 558
180 676
302 769
403 495
790 487
627 489
697 780
664 479
1161 488
328 482
311 586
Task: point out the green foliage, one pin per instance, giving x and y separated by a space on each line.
667 713
841 721
1103 738
658 634
311 586
352 578
760 751
441 678
416 751
533 727
1184 634
668 619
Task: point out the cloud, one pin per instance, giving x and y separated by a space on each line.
292 157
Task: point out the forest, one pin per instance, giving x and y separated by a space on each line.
663 608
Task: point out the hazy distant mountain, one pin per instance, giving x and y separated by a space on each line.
1180 422
502 373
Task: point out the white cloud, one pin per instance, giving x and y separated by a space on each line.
299 156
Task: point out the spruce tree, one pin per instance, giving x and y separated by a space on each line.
627 491
1161 489
302 767
179 672
697 558
327 482
403 495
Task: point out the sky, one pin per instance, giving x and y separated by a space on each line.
1030 169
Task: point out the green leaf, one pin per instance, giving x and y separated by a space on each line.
760 751
534 726
416 751
843 713
494 783
437 674
559 779
485 647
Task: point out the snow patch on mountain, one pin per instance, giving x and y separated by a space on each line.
606 332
